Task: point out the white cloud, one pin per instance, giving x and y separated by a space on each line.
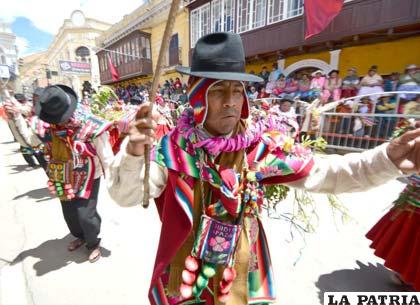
49 15
22 46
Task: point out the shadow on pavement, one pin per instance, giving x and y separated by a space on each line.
366 278
16 169
53 255
40 195
8 142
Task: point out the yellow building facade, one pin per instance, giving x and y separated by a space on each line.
390 56
155 14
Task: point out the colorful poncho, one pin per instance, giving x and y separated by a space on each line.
70 152
269 157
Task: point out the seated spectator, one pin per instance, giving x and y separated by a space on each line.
263 93
409 81
371 83
280 85
350 84
304 87
413 107
332 87
273 77
178 85
360 123
252 94
317 83
137 100
292 86
264 74
385 125
183 98
391 83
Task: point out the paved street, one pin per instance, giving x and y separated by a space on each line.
35 267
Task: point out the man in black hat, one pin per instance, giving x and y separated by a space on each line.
78 154
207 176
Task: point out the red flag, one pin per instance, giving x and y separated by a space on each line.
114 72
319 14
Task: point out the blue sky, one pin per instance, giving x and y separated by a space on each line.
35 22
35 39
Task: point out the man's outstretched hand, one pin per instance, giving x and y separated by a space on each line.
142 131
404 151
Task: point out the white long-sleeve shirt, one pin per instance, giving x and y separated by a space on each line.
331 174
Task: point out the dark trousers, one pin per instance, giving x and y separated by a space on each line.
82 218
39 156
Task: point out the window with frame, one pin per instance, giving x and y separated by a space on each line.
173 50
251 14
200 23
82 53
136 48
113 57
148 49
101 64
125 51
133 50
279 10
121 54
222 15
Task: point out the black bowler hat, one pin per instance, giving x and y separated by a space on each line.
38 91
20 97
57 104
219 56
287 98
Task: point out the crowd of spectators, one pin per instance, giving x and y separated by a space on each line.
332 87
317 92
170 90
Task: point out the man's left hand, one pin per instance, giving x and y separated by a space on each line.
11 108
404 152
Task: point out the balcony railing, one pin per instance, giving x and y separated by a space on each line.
129 70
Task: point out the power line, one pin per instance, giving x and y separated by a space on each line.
116 52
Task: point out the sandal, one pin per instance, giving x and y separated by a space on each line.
75 244
95 255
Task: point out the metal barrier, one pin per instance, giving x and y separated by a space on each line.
357 131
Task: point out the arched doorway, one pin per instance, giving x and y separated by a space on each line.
307 66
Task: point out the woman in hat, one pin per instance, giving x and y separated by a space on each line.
350 84
317 83
385 125
332 87
164 123
371 84
409 81
78 154
207 178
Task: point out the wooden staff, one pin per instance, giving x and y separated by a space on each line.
158 71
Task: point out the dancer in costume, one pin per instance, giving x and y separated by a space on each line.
78 154
207 176
29 149
164 124
396 236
